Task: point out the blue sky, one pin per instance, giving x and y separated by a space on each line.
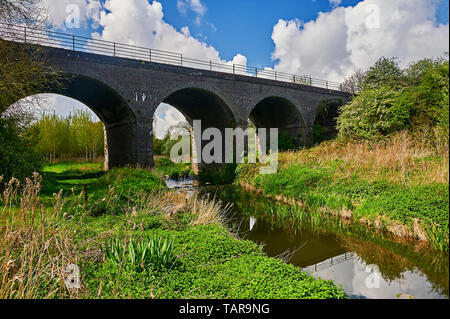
237 26
246 26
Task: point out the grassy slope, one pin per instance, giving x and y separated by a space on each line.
400 180
211 261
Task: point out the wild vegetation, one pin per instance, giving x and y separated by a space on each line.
144 242
389 165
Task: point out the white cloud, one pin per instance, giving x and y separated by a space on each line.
165 117
58 10
335 3
338 42
194 5
124 21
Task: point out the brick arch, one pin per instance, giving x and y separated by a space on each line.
278 111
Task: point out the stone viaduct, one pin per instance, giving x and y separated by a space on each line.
125 93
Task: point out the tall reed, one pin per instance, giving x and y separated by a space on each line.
35 249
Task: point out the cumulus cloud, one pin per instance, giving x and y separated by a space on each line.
194 5
335 3
59 10
340 41
165 117
139 22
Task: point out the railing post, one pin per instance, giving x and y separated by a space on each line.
150 52
210 65
310 81
233 68
256 72
114 48
73 42
293 78
275 75
327 84
181 59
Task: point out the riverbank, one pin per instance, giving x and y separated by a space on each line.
131 238
399 186
335 249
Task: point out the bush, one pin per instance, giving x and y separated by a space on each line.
18 157
392 100
128 180
218 174
374 113
165 167
285 142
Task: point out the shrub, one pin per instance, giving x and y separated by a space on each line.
165 167
219 174
18 157
392 100
285 142
373 114
129 180
155 252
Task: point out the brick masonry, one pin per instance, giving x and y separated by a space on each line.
125 94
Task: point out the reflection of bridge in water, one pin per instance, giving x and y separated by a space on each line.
333 261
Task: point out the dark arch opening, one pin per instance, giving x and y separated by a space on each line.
210 109
326 120
110 108
200 104
278 112
104 101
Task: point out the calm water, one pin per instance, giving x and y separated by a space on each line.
366 265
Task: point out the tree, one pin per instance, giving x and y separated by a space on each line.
429 92
373 114
74 136
353 83
49 129
21 12
18 157
392 99
22 71
385 72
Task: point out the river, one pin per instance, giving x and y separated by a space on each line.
366 264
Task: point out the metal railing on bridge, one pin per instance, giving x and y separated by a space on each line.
25 34
330 262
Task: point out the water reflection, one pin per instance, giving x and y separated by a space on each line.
366 265
252 222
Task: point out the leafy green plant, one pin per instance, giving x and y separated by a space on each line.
392 100
165 167
285 142
18 157
155 252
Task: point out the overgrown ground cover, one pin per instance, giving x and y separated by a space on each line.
164 167
131 239
404 179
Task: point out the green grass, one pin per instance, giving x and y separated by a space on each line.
204 261
165 167
319 187
67 167
210 264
